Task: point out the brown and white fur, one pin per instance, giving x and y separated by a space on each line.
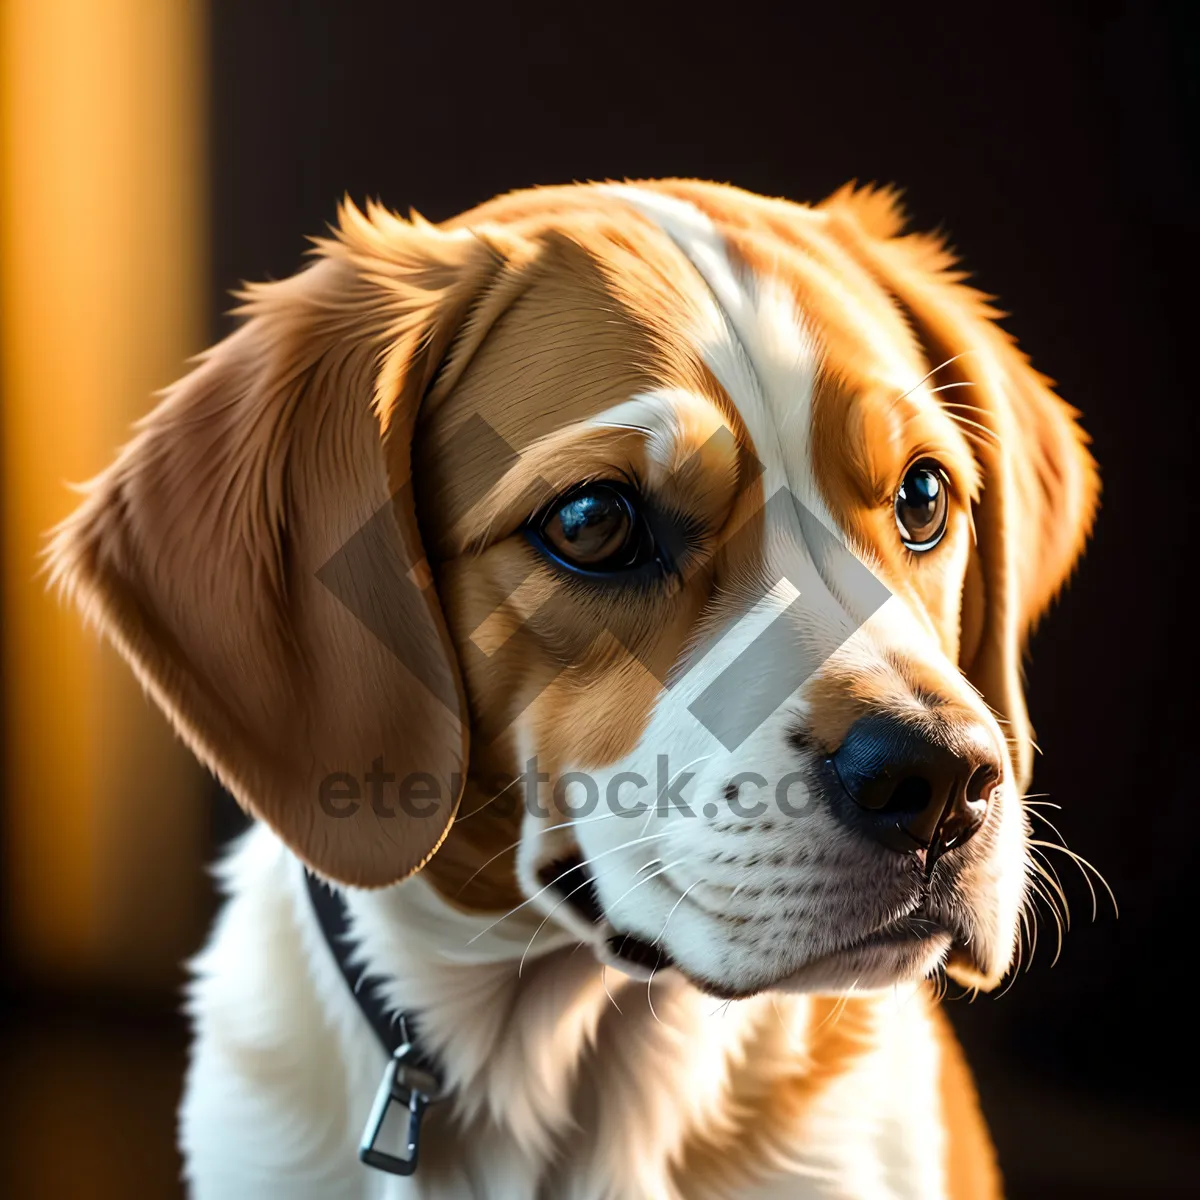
716 347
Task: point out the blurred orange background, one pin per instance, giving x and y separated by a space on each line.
102 297
103 294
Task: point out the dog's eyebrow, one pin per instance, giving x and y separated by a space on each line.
624 425
542 470
650 438
879 432
921 415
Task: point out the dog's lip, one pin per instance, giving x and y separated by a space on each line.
628 952
569 877
636 956
913 926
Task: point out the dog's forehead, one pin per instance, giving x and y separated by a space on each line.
593 342
754 339
788 330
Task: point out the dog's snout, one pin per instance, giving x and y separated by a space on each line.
913 789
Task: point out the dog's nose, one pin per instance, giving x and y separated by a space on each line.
914 789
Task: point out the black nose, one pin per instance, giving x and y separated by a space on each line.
914 789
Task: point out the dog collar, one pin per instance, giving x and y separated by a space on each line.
411 1079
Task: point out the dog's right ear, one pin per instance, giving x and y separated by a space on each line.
254 552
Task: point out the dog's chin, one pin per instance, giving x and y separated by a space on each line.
904 953
907 951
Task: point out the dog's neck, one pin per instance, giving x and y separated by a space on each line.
537 1043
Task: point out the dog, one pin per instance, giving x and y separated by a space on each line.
610 603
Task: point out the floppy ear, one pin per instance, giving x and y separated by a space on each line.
1040 482
254 553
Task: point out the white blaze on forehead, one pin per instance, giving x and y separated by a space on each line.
755 344
676 424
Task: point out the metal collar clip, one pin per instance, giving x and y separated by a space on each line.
411 1086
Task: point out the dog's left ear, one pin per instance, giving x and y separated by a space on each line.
1040 482
255 552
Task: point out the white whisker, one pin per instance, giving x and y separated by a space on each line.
529 945
604 985
577 867
1083 863
459 819
928 375
539 833
633 888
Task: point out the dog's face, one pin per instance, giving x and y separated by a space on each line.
707 528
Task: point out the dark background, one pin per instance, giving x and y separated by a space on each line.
1051 142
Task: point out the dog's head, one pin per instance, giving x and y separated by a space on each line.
693 536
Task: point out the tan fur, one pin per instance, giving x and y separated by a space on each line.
972 1170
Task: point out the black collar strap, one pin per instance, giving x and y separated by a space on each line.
411 1079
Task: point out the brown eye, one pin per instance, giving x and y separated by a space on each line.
923 505
596 528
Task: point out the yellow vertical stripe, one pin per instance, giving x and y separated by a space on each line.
102 209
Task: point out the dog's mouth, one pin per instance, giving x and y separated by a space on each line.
636 956
911 945
575 888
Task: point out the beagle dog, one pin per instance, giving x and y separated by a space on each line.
610 602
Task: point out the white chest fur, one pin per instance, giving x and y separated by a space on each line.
559 1093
